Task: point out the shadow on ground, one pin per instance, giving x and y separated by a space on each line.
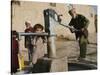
42 66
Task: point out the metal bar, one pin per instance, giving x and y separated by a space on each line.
34 34
69 27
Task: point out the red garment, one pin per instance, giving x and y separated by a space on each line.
29 29
14 54
27 43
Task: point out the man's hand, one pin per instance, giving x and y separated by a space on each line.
82 29
85 32
72 30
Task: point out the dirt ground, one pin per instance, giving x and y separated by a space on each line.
70 48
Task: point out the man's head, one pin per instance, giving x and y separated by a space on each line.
72 12
28 24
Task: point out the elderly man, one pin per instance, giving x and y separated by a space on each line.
80 23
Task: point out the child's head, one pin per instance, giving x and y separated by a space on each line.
38 28
14 34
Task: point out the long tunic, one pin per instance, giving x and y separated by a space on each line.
14 54
38 49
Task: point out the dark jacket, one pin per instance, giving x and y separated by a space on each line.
78 23
28 38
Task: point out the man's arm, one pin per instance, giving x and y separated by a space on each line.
85 21
71 23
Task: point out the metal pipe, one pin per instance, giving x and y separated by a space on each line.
32 34
35 34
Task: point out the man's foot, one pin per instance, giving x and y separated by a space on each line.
83 59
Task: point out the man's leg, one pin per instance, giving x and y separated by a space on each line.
83 46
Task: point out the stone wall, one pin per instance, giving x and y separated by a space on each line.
33 12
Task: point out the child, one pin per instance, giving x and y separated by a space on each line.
38 43
14 53
28 44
